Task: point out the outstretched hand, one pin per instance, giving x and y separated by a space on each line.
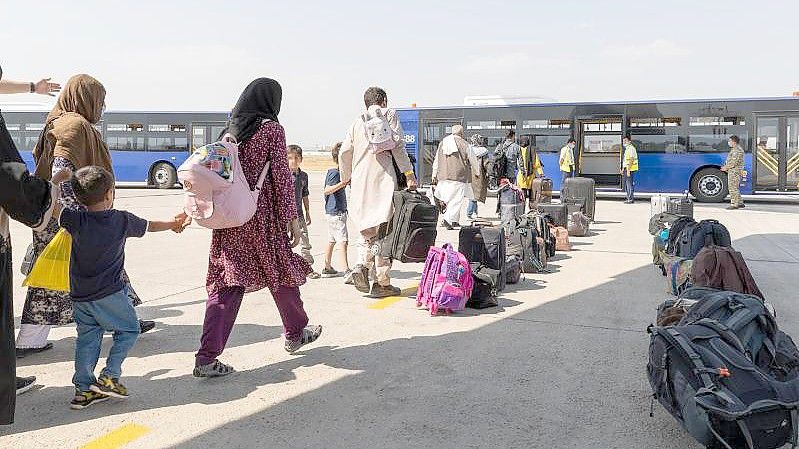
45 87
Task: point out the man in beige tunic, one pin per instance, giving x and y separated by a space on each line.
372 185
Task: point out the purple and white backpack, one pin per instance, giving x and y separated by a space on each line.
446 282
379 133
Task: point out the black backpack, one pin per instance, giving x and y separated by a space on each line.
486 286
500 165
486 245
696 236
522 243
542 225
412 229
726 372
674 233
700 375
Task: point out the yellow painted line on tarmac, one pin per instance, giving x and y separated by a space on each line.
390 300
118 437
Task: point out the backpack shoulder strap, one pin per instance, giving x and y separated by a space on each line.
262 176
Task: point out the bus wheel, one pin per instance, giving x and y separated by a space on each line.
709 185
164 175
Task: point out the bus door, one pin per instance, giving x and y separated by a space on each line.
433 132
600 150
205 133
777 153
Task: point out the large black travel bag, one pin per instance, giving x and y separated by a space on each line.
486 283
484 244
726 372
542 225
675 229
412 229
700 375
556 211
584 188
522 243
695 236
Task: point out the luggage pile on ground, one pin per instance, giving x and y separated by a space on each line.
499 255
678 239
718 362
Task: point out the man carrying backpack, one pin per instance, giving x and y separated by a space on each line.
365 159
505 157
734 166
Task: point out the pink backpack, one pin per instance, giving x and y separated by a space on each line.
217 193
446 282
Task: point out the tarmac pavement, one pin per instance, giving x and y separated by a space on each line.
561 363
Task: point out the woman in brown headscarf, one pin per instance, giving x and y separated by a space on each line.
69 140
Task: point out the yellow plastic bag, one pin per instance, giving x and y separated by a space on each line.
51 269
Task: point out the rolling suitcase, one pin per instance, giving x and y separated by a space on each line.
510 203
412 229
584 188
681 206
485 244
557 211
659 204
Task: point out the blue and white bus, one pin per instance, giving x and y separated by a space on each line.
681 143
146 147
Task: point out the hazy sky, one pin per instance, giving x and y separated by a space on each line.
198 55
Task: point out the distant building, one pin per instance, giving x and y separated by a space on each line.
502 100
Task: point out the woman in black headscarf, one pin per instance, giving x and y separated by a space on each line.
258 254
29 200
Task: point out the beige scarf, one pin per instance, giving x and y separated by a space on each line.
69 133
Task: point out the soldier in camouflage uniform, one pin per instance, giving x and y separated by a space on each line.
734 166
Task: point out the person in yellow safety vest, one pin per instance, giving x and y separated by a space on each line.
566 161
529 166
629 165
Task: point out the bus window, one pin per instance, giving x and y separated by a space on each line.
549 144
216 132
712 143
669 143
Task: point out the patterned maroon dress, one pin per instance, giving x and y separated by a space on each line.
257 254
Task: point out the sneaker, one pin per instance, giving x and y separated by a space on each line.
309 335
146 326
213 369
25 383
22 352
360 278
741 206
314 275
330 273
84 399
446 224
348 277
455 224
629 202
110 387
379 291
733 207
